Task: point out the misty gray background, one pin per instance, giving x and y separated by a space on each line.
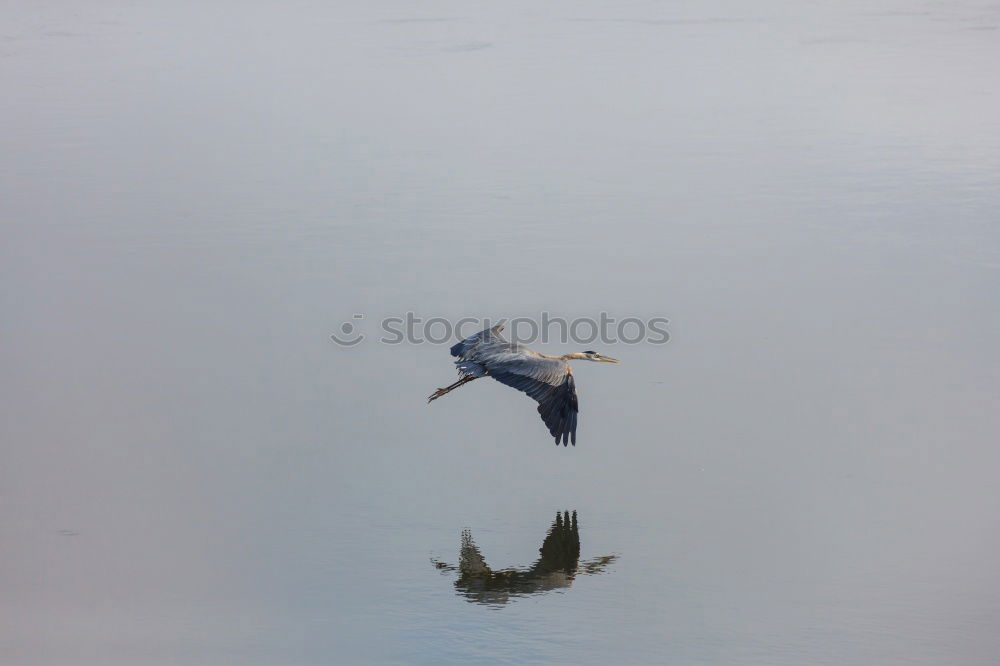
195 195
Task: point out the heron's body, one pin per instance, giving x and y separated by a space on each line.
546 379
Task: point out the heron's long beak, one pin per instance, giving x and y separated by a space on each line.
607 359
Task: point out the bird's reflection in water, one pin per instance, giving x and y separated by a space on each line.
558 564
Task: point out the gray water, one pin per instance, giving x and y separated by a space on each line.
194 196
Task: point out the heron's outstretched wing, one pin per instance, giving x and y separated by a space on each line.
489 336
550 383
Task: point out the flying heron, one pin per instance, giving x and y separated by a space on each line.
546 379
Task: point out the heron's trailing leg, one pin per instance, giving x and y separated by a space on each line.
447 389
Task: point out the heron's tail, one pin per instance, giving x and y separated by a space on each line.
448 389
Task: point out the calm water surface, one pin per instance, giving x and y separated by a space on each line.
193 197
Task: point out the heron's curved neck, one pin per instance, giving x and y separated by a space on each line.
567 357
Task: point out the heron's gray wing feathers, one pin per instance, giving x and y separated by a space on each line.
549 382
487 336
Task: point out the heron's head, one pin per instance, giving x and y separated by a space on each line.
594 356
